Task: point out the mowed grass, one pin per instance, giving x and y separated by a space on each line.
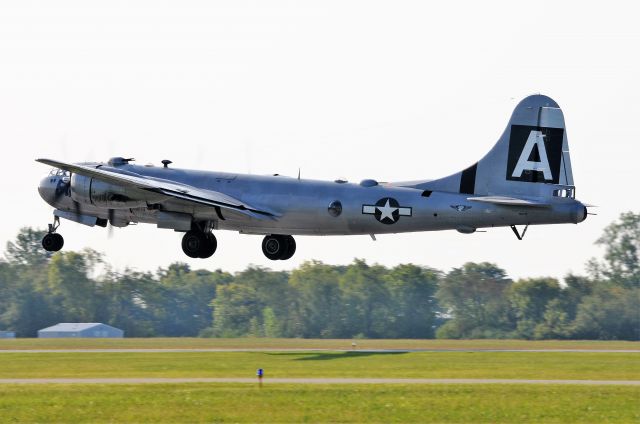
319 403
160 403
265 343
512 365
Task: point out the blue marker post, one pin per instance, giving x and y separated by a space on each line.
260 374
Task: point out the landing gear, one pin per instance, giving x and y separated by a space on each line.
278 247
210 246
52 241
197 244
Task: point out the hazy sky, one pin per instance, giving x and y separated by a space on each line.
350 89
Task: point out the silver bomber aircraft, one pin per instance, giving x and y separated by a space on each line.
525 179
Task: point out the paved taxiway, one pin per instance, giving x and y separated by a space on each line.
308 350
314 381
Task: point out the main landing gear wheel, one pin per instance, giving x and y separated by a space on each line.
52 242
278 247
291 248
196 244
211 244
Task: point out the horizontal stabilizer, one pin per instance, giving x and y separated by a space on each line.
509 201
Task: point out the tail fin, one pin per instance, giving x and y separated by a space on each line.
531 159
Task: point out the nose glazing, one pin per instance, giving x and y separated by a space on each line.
47 189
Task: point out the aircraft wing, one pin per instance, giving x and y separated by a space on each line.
508 201
166 187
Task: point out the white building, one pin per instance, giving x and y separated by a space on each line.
81 329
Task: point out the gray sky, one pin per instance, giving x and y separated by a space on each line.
351 89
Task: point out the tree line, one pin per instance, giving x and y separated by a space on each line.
317 300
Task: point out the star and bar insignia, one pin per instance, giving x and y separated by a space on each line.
386 210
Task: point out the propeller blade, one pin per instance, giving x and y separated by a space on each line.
110 224
77 208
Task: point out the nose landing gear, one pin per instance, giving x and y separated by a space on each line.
52 241
278 247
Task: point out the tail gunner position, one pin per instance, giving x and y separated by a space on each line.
525 179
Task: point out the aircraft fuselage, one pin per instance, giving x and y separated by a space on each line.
525 179
304 205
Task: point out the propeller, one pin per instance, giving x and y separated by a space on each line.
112 214
64 189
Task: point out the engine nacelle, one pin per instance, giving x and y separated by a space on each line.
99 193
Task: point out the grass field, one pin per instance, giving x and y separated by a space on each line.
207 402
530 365
190 343
301 403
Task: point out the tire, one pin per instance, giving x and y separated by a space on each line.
209 247
274 246
52 242
193 243
59 241
291 248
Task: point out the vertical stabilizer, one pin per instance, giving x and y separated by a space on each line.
530 159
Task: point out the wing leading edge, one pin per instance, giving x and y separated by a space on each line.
165 187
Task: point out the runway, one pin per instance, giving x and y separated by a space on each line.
195 350
268 381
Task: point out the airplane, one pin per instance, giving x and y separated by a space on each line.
525 179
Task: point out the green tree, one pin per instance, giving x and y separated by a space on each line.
183 305
270 323
621 264
529 299
234 308
73 291
318 301
7 288
366 300
555 323
25 306
609 313
475 298
414 307
27 248
127 302
238 306
575 289
560 312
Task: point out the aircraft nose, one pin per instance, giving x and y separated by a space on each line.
47 189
